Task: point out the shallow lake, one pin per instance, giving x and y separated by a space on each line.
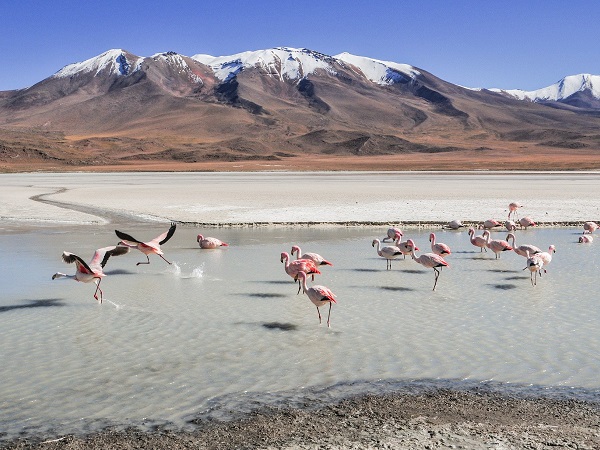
220 330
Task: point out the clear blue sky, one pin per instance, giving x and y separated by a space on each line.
525 44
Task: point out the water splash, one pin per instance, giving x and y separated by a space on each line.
176 270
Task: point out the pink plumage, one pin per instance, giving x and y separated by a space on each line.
318 259
496 245
439 248
318 295
429 260
477 241
526 222
522 250
210 242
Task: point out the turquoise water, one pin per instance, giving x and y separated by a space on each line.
218 329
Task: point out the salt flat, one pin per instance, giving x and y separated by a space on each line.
284 197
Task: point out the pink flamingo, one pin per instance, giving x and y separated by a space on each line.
491 223
318 259
147 248
512 209
510 225
429 260
589 227
546 257
438 248
293 268
526 222
454 224
318 295
496 245
522 250
210 242
405 249
477 241
91 272
535 265
389 252
587 239
391 234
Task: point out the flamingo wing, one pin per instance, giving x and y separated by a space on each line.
102 255
325 293
166 235
127 237
82 266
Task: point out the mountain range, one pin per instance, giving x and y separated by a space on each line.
287 104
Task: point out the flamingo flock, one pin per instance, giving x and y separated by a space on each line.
307 264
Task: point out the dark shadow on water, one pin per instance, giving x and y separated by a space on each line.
264 295
280 326
366 270
503 287
517 278
396 288
413 271
43 303
276 281
119 272
503 271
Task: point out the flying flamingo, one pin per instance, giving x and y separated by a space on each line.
315 257
496 245
147 247
546 257
210 242
438 248
526 222
293 268
388 252
429 260
91 272
535 265
405 249
510 225
319 295
391 234
477 241
589 227
587 239
512 209
522 250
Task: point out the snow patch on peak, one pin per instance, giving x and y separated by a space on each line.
178 63
280 62
115 61
559 91
380 72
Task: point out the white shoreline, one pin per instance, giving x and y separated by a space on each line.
287 198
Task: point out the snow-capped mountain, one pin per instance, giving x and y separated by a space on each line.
568 90
112 62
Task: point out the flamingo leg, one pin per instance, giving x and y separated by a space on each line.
437 274
299 287
319 313
148 258
329 315
98 289
162 258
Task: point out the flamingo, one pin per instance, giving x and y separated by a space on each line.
526 222
318 295
522 250
535 265
91 272
491 223
589 227
147 247
454 224
293 268
512 209
391 234
587 239
429 260
403 246
477 241
388 252
510 225
546 257
318 259
496 245
438 248
210 242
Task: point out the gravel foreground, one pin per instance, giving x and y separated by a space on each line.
437 420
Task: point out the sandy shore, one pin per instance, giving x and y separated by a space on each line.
267 198
439 419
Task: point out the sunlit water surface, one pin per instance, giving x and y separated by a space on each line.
221 330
